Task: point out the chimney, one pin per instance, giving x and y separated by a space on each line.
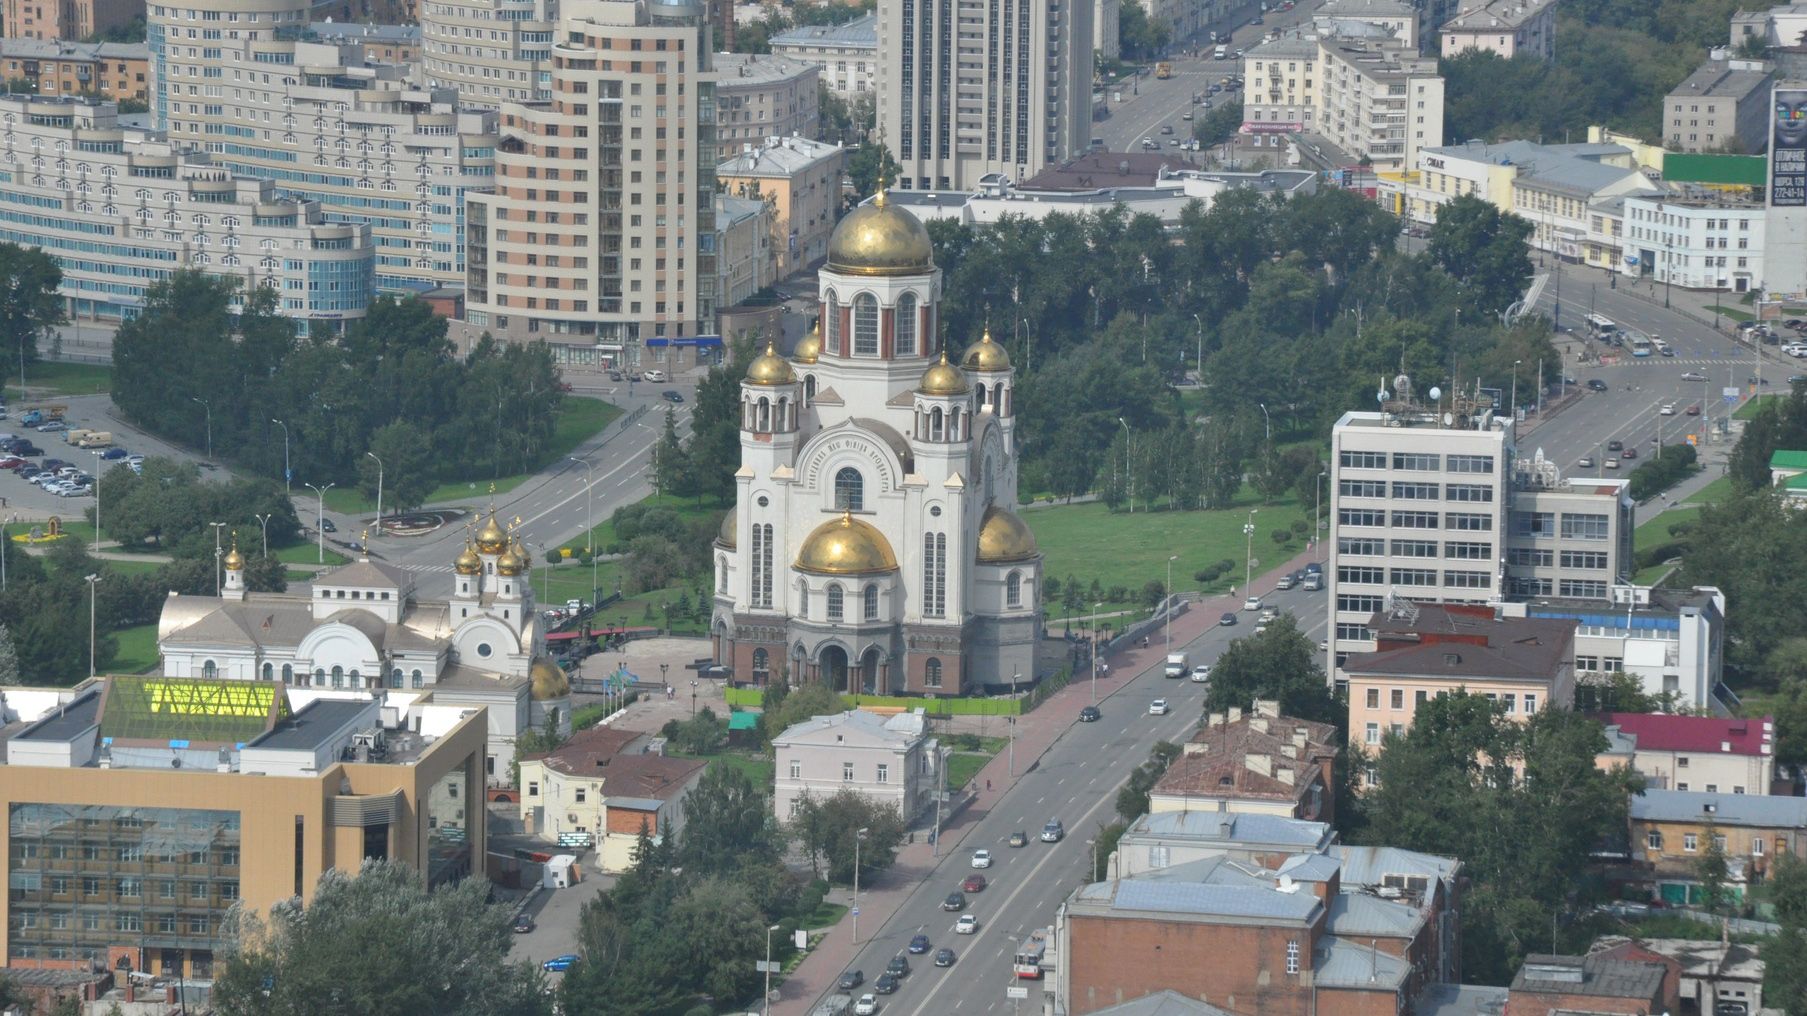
1258 724
1234 715
1286 775
1259 763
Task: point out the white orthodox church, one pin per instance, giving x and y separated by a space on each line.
362 627
873 545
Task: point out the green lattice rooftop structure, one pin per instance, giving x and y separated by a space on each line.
189 712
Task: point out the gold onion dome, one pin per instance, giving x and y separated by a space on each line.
846 546
491 539
986 355
727 534
510 563
520 551
943 378
878 238
1004 538
234 560
549 680
768 368
467 562
809 348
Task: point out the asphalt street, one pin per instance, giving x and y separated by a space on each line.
1076 781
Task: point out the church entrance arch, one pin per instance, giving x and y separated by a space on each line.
870 671
831 666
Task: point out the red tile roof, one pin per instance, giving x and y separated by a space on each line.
1660 732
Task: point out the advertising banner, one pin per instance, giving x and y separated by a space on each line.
1788 149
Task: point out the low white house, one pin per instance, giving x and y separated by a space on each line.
886 758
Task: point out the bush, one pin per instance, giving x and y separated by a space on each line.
1280 536
1204 576
1225 565
1118 594
1659 474
1301 526
1153 592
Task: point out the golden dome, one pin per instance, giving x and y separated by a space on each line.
985 355
727 534
234 560
879 238
768 368
549 680
491 539
943 378
520 551
809 348
1004 538
846 546
510 563
467 562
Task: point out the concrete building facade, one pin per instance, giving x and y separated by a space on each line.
1670 830
763 96
1703 753
1379 101
1723 104
744 259
962 93
1696 241
601 789
889 760
492 52
1106 41
1505 28
1671 640
108 70
847 54
801 180
66 20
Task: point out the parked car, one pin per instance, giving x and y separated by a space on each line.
558 963
954 901
1594 384
327 524
966 925
1158 707
1252 603
115 453
1090 714
981 858
919 944
522 924
974 883
1614 445
944 957
11 462
52 427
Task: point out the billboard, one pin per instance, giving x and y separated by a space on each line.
1788 149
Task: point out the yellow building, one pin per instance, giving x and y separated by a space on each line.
600 789
141 809
801 179
1670 830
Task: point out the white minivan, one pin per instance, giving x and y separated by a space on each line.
655 376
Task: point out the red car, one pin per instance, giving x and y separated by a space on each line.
11 462
973 884
1694 410
1629 453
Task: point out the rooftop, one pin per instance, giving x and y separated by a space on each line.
1162 1003
1098 170
587 751
1366 9
347 31
1703 734
1239 828
858 33
172 709
1784 459
777 156
900 730
734 70
1729 79
1257 756
52 49
1592 975
1698 957
1340 963
1461 1000
1447 641
315 722
1757 811
1205 900
1495 14
1370 866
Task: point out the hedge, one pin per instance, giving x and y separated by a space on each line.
934 707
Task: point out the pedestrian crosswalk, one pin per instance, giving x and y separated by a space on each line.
1728 360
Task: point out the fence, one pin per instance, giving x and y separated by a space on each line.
932 706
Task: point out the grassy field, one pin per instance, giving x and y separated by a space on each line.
1088 541
571 581
1712 493
687 510
1654 532
50 379
137 649
1749 409
758 769
962 767
308 553
579 419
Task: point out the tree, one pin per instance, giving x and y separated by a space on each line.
30 305
827 828
671 467
1139 36
1711 869
1280 664
9 658
812 698
1484 249
727 821
869 162
1785 958
339 953
407 468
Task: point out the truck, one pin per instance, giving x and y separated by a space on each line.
1177 665
35 415
1222 52
1163 70
75 436
833 1005
96 439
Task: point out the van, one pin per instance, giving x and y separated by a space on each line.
1221 53
95 439
74 437
1313 582
1177 665
655 376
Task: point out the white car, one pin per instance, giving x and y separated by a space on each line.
1668 409
1795 349
1158 707
981 858
1252 603
866 1006
966 925
1201 673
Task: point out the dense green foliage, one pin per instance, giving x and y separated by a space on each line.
1779 425
1448 786
756 36
1139 36
377 942
1301 306
1785 959
29 304
1279 664
170 508
391 385
1660 472
826 828
1132 798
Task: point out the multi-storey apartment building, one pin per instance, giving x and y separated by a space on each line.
802 180
109 70
1506 28
120 211
1699 240
759 97
847 54
963 92
1427 504
1723 104
1396 18
1671 640
600 230
390 44
492 51
1379 101
65 20
1280 95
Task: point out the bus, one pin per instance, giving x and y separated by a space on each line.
1640 345
1163 70
1027 965
1601 327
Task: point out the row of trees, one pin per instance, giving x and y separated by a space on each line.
210 363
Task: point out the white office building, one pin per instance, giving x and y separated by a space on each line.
847 54
1671 640
1699 241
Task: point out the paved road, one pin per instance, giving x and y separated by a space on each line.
1076 781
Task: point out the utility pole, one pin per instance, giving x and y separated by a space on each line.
320 524
379 494
93 593
209 407
940 792
1167 605
859 837
217 526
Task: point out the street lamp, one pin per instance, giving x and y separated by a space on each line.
1096 607
1248 552
1167 607
99 468
93 582
768 969
379 493
285 453
692 692
1515 366
1129 476
859 837
1201 349
4 547
1317 511
209 407
320 524
263 522
589 520
217 526
1269 420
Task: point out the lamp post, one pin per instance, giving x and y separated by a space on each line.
1010 725
209 407
320 524
1269 420
1095 608
859 837
693 697
263 522
941 755
285 453
1129 476
93 582
1248 552
1317 512
98 469
663 668
379 492
1167 606
1201 349
768 969
1515 366
589 520
4 548
217 526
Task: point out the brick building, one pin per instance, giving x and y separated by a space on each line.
1670 830
1259 763
110 70
602 783
1592 984
69 20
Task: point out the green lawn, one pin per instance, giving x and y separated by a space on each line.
1088 541
1749 409
1712 493
758 769
579 419
137 649
687 509
962 767
131 567
1655 530
308 553
50 379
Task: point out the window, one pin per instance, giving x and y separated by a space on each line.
1417 461
1582 590
869 602
1364 604
906 324
1470 464
934 574
1584 527
1372 576
1468 551
1756 846
1013 589
1719 843
1371 735
1373 698
1356 545
1292 957
931 673
1362 460
865 325
1530 704
849 490
847 772
210 670
834 602
1362 488
1469 522
762 665
1654 839
1414 548
1396 699
1690 842
1415 520
1539 525
1415 491
580 795
533 788
1361 517
1414 576
1468 579
1474 492
1530 557
796 769
1592 560
884 773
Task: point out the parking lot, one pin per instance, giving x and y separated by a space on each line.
26 502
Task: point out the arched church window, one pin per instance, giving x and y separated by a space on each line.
935 424
1013 590
809 389
721 574
906 324
831 323
849 490
865 325
288 673
931 673
835 604
395 678
871 597
269 671
357 680
210 670
762 665
319 677
338 677
419 680
803 600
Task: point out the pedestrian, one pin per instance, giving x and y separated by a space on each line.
988 786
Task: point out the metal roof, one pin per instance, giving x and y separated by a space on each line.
1232 826
181 709
1213 900
1343 964
1368 865
317 721
66 722
1358 915
859 32
1762 811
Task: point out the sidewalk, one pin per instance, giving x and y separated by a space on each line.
881 894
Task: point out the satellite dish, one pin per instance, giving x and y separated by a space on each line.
1436 393
1448 419
1380 396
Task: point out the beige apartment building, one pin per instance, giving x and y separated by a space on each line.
1379 101
758 96
65 20
1506 28
743 249
491 51
107 70
801 179
1724 103
600 232
846 54
994 89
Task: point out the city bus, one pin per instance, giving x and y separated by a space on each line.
1640 345
1601 327
1027 963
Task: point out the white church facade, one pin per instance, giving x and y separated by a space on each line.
362 627
873 545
